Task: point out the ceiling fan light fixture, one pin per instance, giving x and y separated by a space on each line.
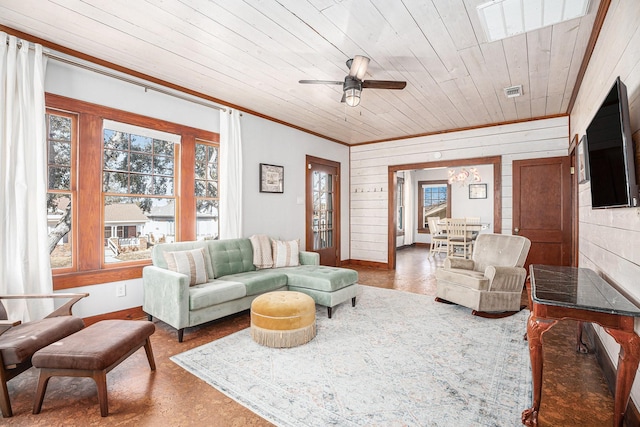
358 66
352 97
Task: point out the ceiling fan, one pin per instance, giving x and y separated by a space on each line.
353 84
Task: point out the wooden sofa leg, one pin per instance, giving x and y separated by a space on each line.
353 302
180 334
149 317
329 311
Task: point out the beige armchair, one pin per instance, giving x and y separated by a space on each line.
491 282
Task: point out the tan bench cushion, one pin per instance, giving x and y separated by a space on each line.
96 347
20 342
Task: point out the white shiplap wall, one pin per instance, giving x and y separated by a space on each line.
370 162
609 240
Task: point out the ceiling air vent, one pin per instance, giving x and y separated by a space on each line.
513 91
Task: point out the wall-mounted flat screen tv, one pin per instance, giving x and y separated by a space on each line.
610 153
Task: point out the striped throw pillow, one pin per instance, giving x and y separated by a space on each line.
193 263
285 254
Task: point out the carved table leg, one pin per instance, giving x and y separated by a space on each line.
535 329
628 359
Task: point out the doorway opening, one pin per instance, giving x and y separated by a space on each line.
494 161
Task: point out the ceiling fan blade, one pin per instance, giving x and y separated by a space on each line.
344 97
320 82
358 66
383 84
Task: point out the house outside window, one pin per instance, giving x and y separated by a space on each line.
138 189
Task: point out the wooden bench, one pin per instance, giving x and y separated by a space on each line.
92 352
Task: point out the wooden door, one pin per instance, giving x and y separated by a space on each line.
542 208
323 209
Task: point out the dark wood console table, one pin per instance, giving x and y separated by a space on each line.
558 293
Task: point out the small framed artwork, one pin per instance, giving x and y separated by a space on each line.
477 191
582 161
271 178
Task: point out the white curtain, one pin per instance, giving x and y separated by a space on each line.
409 208
24 258
230 175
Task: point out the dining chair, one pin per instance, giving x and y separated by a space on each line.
459 240
438 237
473 220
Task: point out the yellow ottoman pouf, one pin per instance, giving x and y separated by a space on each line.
283 319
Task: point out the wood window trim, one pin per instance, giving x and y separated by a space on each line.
73 189
88 227
400 184
421 229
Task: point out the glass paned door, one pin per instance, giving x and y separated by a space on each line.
322 210
322 195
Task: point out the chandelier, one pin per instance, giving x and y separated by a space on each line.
464 176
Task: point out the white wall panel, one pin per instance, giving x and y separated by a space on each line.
526 140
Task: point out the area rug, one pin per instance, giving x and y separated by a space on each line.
396 359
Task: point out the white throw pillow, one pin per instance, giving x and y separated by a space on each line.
193 263
285 254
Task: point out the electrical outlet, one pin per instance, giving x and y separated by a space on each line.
121 290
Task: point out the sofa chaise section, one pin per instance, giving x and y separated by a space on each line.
328 286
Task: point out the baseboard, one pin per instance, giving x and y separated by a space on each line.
632 415
134 313
370 264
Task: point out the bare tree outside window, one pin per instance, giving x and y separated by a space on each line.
206 190
138 188
60 138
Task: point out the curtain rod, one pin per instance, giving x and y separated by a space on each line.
146 87
133 82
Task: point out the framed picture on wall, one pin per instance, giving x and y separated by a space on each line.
271 178
477 191
582 161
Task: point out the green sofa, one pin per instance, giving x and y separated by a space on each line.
235 284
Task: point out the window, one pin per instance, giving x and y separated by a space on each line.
61 137
400 205
433 200
206 190
136 167
128 182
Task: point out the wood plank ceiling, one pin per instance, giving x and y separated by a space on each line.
252 53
